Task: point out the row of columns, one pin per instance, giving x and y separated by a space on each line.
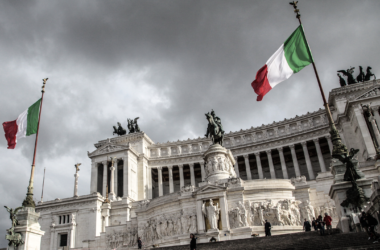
113 192
181 177
282 159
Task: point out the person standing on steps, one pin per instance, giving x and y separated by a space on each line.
314 224
268 227
321 225
306 226
193 242
327 220
139 243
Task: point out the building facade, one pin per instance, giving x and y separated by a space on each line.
161 192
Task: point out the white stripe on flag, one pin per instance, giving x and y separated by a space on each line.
278 68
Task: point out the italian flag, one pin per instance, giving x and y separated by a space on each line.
25 125
290 58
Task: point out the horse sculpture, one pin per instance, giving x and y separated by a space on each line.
120 130
361 76
214 131
369 74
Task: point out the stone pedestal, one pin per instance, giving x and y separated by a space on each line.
29 228
338 192
219 163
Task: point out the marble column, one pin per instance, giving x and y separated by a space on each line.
320 156
365 132
375 111
116 177
149 176
112 181
236 166
181 179
128 215
247 167
171 184
271 167
259 167
94 177
295 161
308 161
331 147
203 174
125 177
200 217
375 129
192 176
283 164
160 190
105 167
224 213
76 175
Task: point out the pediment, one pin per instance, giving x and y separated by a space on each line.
108 148
373 92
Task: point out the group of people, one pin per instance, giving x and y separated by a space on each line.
319 224
368 223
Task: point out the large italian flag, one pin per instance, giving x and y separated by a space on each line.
290 58
25 125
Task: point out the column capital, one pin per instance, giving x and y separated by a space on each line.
246 157
191 165
159 168
104 162
291 146
327 136
180 166
316 140
280 149
170 167
112 168
269 151
235 157
304 143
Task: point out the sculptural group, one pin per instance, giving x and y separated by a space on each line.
350 78
214 129
133 127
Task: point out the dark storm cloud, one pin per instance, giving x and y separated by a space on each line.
167 62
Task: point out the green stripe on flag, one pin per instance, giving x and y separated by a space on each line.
32 120
297 51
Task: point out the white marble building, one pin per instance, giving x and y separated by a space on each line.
159 191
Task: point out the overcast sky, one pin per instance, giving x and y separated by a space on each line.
167 62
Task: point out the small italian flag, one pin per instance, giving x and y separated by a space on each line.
290 58
25 125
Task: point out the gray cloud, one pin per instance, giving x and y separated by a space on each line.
167 62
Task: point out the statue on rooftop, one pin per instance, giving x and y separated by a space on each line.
348 73
361 76
341 80
120 130
369 74
133 126
13 238
214 129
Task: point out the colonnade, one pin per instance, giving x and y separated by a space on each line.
110 177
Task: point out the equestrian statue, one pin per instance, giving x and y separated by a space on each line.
214 129
120 130
14 239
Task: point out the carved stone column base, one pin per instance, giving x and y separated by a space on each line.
29 228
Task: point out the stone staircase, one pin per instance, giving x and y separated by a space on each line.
296 241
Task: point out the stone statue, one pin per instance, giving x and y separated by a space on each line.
14 239
120 130
341 80
348 73
308 211
212 214
350 174
193 227
214 129
242 214
369 74
77 167
361 76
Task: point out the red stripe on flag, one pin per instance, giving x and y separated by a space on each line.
261 83
10 129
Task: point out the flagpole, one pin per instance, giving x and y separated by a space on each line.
43 184
338 147
29 202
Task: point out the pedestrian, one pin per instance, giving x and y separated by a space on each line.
306 226
193 242
363 223
356 220
314 224
372 223
268 227
321 225
139 243
327 220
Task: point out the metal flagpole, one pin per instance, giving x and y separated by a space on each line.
43 184
338 147
29 202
